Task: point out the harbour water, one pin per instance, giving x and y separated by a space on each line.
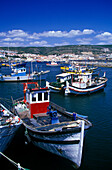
97 151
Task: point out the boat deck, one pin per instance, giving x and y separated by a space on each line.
42 125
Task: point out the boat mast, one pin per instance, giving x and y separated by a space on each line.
31 67
40 76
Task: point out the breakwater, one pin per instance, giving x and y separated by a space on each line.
96 63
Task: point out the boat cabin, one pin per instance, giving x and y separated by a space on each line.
18 71
61 78
36 99
82 80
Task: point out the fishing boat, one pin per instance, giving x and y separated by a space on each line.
77 69
19 74
53 63
73 68
85 84
9 124
60 83
18 64
50 126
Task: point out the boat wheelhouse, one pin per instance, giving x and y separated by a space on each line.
18 71
36 99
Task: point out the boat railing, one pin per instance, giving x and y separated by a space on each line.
70 114
60 109
57 107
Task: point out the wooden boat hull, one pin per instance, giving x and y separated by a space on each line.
55 89
66 145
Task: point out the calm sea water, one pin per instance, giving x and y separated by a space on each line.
97 151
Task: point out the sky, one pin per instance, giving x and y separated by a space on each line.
39 23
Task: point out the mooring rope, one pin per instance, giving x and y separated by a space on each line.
14 163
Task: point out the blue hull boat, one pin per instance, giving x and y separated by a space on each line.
9 124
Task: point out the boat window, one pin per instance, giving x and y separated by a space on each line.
39 96
34 97
46 96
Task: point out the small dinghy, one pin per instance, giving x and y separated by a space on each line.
50 126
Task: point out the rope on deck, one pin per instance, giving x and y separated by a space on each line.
14 163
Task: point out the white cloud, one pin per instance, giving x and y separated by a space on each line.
2 34
34 36
74 33
61 44
85 41
12 39
87 31
12 44
104 36
53 34
18 39
69 34
7 39
55 38
17 33
38 43
101 43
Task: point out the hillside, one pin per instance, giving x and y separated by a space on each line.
77 49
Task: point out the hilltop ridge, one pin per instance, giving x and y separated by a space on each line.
77 49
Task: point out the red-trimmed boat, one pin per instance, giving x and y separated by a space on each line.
50 126
84 84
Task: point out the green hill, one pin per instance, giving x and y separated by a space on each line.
77 49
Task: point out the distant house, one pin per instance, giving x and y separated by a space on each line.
87 53
2 55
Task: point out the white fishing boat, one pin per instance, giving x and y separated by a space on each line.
19 74
9 124
53 63
84 84
50 126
